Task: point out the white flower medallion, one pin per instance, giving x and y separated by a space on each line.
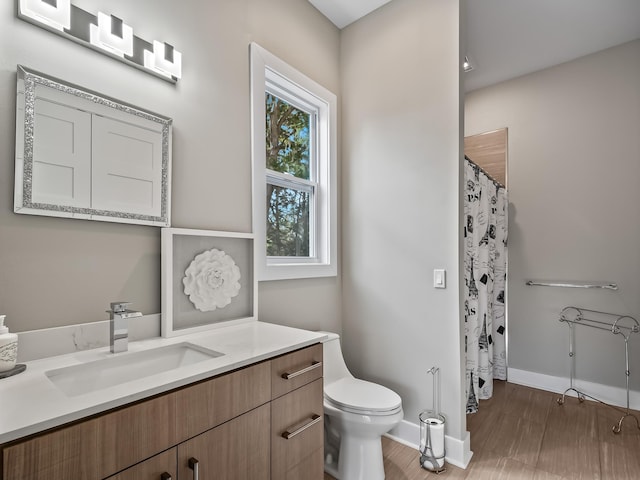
211 280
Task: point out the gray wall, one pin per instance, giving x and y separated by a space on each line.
573 174
399 68
59 271
401 162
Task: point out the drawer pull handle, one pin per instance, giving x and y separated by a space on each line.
313 366
165 476
314 419
193 465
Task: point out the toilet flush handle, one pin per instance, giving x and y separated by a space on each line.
313 366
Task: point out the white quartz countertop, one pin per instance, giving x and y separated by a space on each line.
30 402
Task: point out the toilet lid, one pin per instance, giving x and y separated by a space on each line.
355 394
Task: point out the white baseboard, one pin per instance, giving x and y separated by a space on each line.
458 452
605 393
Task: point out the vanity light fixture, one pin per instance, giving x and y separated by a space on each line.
54 13
103 33
112 34
164 60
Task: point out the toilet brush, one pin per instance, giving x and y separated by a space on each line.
432 450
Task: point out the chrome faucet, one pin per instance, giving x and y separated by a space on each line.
119 325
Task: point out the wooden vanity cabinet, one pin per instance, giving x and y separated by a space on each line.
232 425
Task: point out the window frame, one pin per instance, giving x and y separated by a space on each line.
269 74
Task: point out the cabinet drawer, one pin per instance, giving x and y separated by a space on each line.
64 454
295 369
310 467
212 402
303 448
136 432
164 463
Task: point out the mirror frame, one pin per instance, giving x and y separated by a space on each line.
26 85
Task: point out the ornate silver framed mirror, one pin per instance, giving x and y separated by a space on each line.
80 154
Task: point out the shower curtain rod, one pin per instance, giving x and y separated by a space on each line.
478 167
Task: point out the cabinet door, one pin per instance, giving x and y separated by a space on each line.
297 434
61 155
236 450
127 168
66 454
161 467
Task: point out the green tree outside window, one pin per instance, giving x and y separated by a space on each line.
288 152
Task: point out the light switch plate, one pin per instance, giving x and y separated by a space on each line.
439 278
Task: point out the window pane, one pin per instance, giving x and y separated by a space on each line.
287 222
288 146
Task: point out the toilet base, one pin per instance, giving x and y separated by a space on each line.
331 467
360 458
356 439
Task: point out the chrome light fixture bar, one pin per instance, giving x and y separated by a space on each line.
103 33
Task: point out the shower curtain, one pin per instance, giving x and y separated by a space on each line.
485 255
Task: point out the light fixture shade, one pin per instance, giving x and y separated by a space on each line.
164 60
53 13
112 34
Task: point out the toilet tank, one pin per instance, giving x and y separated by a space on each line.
334 367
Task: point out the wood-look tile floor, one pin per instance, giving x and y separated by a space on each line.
524 434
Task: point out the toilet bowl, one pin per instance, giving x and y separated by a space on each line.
357 414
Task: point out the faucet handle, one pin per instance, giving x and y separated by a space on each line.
119 307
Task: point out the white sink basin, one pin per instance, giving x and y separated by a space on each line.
97 375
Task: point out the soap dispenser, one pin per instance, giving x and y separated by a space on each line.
8 347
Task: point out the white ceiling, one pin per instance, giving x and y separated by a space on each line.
509 38
344 12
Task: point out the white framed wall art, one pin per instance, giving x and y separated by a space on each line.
208 280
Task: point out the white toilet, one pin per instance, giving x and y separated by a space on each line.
357 414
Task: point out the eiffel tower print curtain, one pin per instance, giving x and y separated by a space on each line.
485 255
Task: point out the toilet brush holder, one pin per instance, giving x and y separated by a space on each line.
432 423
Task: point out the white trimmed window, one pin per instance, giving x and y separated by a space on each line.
294 171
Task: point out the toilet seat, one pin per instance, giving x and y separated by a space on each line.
362 397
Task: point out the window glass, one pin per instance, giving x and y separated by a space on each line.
287 137
288 222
